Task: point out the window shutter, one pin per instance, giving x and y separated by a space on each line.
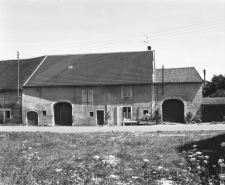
84 97
90 97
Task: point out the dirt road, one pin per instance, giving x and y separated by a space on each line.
152 128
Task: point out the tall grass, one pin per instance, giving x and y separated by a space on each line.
97 158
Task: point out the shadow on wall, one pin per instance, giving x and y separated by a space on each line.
210 147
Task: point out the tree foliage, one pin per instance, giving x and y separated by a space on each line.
216 88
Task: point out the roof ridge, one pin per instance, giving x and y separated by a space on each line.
21 59
176 68
101 53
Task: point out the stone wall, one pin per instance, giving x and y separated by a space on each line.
9 101
106 98
189 93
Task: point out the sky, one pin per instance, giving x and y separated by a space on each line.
183 33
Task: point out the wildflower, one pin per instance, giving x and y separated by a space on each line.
220 161
194 146
181 164
58 170
199 153
160 167
205 161
193 159
30 148
198 167
135 177
114 176
207 157
96 157
146 160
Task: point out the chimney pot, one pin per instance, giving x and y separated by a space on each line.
149 48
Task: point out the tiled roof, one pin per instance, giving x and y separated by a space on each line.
9 72
213 101
177 75
94 69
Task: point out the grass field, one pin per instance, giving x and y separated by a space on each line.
109 158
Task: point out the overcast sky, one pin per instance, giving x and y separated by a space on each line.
183 33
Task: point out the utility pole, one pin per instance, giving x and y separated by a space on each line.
18 57
162 79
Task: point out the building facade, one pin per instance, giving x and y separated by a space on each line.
99 89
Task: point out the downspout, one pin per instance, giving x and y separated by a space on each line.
106 103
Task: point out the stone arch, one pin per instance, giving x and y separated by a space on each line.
60 101
173 109
32 118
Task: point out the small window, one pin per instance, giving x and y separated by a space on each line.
145 112
126 92
87 97
44 113
7 114
91 113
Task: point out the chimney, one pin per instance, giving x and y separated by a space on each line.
149 48
204 76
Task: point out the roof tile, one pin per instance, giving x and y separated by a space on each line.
177 75
94 69
9 72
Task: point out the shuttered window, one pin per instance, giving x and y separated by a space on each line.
126 92
87 97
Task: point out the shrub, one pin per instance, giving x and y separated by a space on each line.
157 116
197 119
188 117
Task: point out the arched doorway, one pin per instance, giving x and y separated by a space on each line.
63 114
173 111
32 118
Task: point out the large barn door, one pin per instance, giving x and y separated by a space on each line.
173 111
1 116
63 114
32 118
213 113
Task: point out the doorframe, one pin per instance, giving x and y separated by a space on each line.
53 110
4 110
131 111
27 119
97 115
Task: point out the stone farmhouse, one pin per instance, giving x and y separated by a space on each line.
108 88
101 89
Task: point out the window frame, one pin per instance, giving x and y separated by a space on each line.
6 114
145 110
125 93
89 92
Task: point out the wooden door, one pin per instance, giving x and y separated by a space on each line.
173 111
32 118
63 114
100 117
119 116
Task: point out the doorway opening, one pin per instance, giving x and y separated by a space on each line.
100 117
173 111
32 118
63 114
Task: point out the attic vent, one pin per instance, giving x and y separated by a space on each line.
70 67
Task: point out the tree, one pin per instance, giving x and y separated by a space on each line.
216 88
